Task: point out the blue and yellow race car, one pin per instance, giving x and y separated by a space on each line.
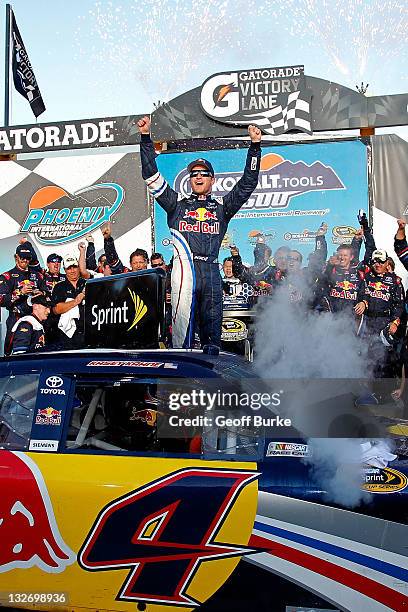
104 507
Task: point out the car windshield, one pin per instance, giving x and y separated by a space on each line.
160 415
17 401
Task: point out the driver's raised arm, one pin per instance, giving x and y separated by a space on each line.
249 180
156 184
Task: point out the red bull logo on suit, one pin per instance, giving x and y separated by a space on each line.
200 216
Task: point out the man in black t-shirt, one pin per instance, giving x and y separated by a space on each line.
69 305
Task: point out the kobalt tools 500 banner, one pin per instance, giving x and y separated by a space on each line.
299 188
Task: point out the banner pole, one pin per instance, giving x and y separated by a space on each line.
7 67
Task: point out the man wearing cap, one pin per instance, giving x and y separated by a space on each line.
198 224
53 275
16 286
28 332
382 306
68 304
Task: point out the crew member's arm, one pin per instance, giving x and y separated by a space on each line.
90 259
7 298
156 184
397 305
319 256
60 306
249 180
400 243
322 291
361 306
356 245
238 268
368 239
82 261
22 338
112 257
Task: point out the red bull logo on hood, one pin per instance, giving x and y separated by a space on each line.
279 180
29 533
56 216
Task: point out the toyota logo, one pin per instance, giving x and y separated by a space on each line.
54 382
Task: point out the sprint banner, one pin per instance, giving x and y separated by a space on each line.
125 310
299 188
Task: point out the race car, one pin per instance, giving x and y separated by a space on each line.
106 505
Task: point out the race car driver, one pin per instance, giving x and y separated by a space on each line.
198 224
16 286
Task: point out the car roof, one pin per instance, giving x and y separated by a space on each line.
169 362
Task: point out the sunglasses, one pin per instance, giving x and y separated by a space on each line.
195 173
379 261
157 265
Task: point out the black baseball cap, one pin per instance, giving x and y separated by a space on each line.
54 258
42 300
200 162
24 252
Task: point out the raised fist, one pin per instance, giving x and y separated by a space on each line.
106 230
322 229
254 133
144 125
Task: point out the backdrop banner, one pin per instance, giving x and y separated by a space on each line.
299 188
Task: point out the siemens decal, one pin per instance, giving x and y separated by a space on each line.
56 217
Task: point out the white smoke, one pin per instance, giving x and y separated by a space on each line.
335 463
322 356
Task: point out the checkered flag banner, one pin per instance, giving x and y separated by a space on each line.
280 119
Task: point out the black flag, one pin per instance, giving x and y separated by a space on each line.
23 74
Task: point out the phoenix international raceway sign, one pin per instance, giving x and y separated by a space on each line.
57 201
299 188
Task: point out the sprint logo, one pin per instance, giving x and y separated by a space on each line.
119 314
140 308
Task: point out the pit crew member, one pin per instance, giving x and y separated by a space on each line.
68 303
28 333
16 286
382 306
